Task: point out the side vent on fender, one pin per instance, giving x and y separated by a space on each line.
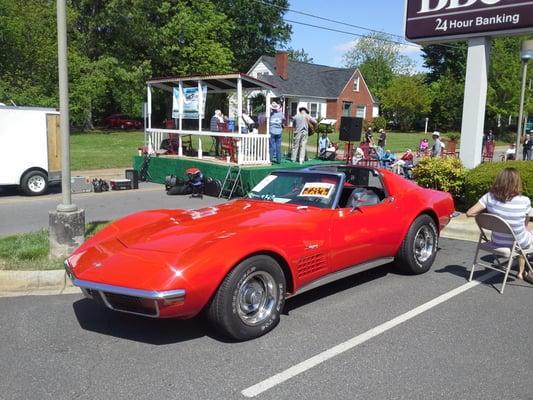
311 264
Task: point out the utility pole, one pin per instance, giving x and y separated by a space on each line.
67 222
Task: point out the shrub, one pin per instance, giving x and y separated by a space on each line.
446 174
378 123
479 179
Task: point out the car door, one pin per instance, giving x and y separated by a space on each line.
367 232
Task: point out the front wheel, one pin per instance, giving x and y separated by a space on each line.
419 247
34 183
249 301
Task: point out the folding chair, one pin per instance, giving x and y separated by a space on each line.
493 223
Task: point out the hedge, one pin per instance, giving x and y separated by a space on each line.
446 174
478 180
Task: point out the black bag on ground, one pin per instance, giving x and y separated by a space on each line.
183 188
212 187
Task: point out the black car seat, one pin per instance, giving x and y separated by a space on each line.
362 197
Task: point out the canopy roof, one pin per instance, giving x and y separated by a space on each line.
215 83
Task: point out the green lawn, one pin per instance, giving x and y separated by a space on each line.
115 149
29 251
98 150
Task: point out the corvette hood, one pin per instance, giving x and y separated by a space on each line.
172 231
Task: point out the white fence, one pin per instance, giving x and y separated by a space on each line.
252 148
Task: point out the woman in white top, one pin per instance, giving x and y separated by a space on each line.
505 200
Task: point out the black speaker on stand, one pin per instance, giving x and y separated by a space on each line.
133 176
351 131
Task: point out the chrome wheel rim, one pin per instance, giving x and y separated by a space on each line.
256 298
36 183
424 244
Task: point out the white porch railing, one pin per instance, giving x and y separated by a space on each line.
252 148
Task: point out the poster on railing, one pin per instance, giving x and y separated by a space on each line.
187 107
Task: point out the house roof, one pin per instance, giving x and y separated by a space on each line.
305 79
215 82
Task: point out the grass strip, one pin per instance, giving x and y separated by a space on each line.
29 251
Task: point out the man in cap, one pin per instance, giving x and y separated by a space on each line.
277 120
382 139
438 146
301 134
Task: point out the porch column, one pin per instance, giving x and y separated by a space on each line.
180 117
268 97
200 102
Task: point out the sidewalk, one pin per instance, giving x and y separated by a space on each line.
105 174
24 283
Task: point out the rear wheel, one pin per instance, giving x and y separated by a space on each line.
419 247
34 183
249 301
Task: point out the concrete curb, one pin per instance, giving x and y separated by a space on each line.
17 283
461 228
24 283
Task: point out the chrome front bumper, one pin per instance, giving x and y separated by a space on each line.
127 300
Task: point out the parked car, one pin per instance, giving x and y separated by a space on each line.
122 121
239 261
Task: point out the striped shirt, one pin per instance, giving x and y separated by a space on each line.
514 212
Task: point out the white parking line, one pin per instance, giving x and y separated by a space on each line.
297 369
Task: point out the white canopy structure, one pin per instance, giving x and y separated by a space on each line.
252 148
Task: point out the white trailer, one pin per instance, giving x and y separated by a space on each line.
31 148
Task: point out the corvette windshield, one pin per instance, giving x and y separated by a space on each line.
307 189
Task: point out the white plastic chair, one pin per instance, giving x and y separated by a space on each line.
494 223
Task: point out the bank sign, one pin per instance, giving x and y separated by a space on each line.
438 20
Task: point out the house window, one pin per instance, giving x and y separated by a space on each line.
314 109
346 108
294 109
361 111
356 83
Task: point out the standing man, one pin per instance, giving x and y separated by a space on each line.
526 147
368 137
213 127
437 147
382 139
301 134
277 120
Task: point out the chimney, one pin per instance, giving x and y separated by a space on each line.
282 64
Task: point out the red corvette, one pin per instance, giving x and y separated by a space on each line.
295 231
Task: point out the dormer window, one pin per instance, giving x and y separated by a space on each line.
356 82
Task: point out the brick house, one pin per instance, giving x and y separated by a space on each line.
327 92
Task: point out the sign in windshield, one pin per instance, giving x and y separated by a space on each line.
309 189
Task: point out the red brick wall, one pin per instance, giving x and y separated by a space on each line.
363 96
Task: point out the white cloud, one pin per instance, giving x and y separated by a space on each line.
344 47
410 49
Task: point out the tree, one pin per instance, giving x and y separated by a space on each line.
406 99
299 55
447 102
378 57
449 59
258 28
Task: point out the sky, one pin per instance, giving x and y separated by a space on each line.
326 47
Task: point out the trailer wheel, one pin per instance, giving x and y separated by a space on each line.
34 183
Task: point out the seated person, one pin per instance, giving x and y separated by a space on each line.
510 153
247 123
505 200
423 147
358 155
387 159
405 163
326 150
362 197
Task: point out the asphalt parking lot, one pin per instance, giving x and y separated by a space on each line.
466 342
19 214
